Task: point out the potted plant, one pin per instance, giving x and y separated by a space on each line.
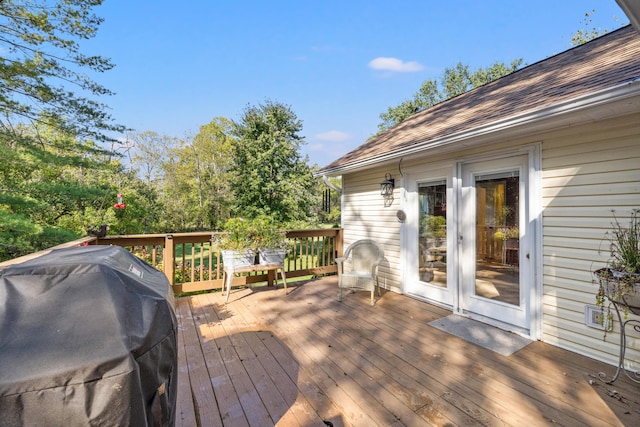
619 281
271 241
238 243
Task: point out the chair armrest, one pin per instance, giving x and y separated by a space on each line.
374 267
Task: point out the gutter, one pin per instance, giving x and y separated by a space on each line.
331 185
602 97
631 8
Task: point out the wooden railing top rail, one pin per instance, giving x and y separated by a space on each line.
312 232
197 237
191 261
158 239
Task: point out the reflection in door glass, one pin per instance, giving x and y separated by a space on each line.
498 237
432 206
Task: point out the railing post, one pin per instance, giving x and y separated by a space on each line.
167 258
339 243
314 254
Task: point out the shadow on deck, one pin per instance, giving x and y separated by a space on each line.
307 360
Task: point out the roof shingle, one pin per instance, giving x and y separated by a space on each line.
602 63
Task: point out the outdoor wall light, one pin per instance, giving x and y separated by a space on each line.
386 186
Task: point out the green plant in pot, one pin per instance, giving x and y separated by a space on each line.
271 241
238 242
619 281
506 233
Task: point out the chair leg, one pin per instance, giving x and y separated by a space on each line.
284 279
373 300
339 293
228 278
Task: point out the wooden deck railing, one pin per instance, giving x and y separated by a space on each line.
192 263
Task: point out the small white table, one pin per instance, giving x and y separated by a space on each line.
228 273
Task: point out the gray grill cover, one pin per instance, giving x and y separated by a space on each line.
87 337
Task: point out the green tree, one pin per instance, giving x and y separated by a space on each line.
143 211
195 187
590 31
42 70
455 81
53 193
42 185
159 162
148 154
212 152
176 188
269 176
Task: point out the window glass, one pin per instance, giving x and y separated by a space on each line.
432 207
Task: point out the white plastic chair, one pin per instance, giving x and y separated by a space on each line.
358 268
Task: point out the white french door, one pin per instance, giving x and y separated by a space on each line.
470 238
496 271
430 251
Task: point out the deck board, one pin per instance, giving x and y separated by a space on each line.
304 358
203 401
185 412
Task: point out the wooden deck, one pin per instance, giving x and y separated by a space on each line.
307 360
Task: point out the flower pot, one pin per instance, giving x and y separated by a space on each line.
272 256
621 288
238 259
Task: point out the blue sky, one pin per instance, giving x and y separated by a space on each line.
337 64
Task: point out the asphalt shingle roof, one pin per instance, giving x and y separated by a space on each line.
602 63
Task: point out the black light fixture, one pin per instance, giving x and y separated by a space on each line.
386 186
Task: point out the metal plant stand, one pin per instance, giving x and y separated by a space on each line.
635 324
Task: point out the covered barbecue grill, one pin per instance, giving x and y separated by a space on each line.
87 337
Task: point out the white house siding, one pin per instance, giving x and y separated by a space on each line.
364 216
587 172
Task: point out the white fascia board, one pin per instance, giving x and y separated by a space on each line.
595 99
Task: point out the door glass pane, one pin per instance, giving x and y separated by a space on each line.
432 213
498 237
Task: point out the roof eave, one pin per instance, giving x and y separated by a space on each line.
510 126
631 8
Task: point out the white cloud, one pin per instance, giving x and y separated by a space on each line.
333 135
395 64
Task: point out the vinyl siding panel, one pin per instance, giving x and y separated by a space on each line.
587 174
587 171
365 216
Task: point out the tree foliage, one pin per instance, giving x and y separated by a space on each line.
150 151
269 176
57 179
589 32
212 153
51 193
42 70
195 188
455 81
245 169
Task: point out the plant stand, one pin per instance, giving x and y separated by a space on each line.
229 271
635 324
625 297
